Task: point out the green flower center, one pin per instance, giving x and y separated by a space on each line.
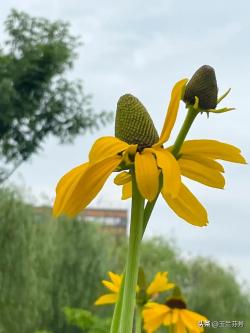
133 123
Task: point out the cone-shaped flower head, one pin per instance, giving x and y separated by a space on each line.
133 123
204 86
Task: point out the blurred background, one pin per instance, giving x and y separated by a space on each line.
63 66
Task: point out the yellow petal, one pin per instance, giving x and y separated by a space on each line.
207 162
187 206
107 299
129 153
191 320
157 307
127 191
105 147
213 149
153 316
111 286
172 111
65 187
115 278
84 188
168 319
152 325
201 173
147 175
176 315
180 327
170 170
193 316
159 284
122 178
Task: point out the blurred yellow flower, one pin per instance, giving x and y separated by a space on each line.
175 314
159 284
114 286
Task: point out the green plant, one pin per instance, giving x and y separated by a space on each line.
86 321
37 99
47 264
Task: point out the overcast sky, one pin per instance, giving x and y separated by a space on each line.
144 49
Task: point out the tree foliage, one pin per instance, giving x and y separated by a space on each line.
47 265
36 97
86 321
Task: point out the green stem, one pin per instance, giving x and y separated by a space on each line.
118 309
132 266
190 117
118 306
191 114
138 320
147 213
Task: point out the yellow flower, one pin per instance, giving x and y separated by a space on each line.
79 187
173 313
198 161
151 162
114 286
159 284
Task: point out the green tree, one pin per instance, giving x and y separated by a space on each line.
29 252
215 292
36 97
86 321
47 265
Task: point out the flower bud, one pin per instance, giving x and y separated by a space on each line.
204 86
133 123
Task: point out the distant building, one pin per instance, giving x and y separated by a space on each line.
113 221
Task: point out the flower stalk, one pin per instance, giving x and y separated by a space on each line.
138 320
118 309
132 265
190 117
